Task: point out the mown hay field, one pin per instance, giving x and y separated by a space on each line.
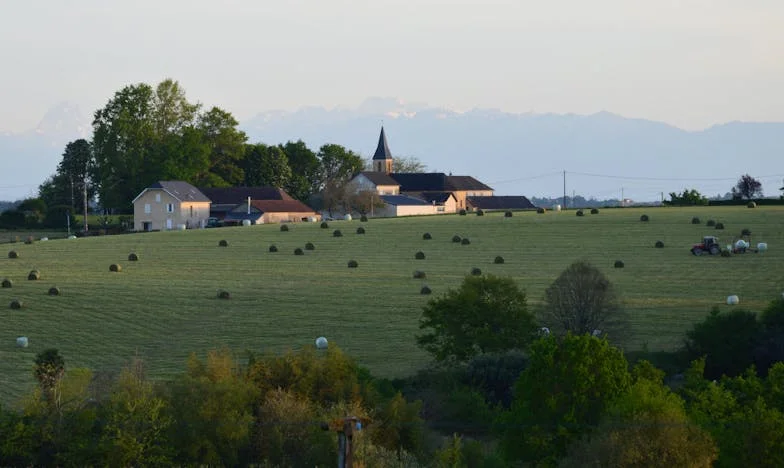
165 305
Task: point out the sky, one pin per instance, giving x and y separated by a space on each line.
690 63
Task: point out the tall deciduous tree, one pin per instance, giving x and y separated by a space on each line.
227 148
338 164
77 167
408 164
304 180
747 187
266 165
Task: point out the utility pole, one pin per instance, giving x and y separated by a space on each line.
621 196
564 190
84 194
345 432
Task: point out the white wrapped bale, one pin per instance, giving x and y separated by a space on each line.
321 343
347 217
21 342
556 207
44 239
733 300
762 246
544 331
246 222
71 237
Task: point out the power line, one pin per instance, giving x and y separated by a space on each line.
540 176
669 179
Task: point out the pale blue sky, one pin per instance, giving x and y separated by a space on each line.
691 63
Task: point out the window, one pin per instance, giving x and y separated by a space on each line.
147 208
157 198
170 208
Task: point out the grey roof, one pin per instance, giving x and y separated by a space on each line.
438 197
382 150
379 178
511 202
237 195
465 183
181 190
436 182
403 200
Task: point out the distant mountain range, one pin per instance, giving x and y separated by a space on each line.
605 155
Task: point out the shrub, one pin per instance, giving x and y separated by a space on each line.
618 264
541 210
425 290
360 230
426 236
580 213
337 233
594 210
16 304
223 294
7 283
13 254
298 251
644 218
476 271
54 291
353 264
273 248
456 239
480 212
363 218
115 268
29 240
719 225
726 253
498 260
132 257
695 220
419 255
745 232
310 246
462 212
751 204
324 225
284 228
419 274
710 223
223 243
659 245
465 241
34 275
507 214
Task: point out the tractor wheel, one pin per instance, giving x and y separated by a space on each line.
696 251
714 250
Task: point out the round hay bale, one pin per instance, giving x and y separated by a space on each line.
29 240
710 223
618 264
719 225
594 210
659 244
284 228
353 264
223 243
476 271
363 219
540 211
579 213
310 246
726 253
507 214
71 237
337 233
298 251
456 239
273 248
34 275
557 208
751 204
462 212
132 257
115 267
54 291
465 241
498 260
695 220
426 236
13 254
360 230
44 239
245 222
762 246
419 274
425 290
348 217
419 255
223 294
324 225
480 212
644 218
16 304
733 300
745 232
321 343
7 283
312 219
22 342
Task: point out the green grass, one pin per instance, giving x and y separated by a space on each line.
165 306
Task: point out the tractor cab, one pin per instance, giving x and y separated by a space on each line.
709 244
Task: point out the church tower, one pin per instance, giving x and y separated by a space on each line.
382 160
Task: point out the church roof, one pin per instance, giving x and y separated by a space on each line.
382 150
436 182
379 178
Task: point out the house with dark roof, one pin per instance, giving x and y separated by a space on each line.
170 204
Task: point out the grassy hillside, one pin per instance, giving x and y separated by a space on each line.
164 306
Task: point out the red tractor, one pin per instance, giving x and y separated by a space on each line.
709 244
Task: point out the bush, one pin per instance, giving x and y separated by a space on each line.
223 243
480 212
7 283
115 268
363 218
310 246
579 213
719 225
360 230
419 274
465 241
54 291
16 304
13 254
710 223
476 271
498 260
324 225
353 264
426 236
462 212
456 239
695 220
594 210
425 290
507 214
298 251
223 294
726 253
644 218
337 233
618 264
273 248
34 275
284 228
419 255
540 211
745 232
751 204
659 245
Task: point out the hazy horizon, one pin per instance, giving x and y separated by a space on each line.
690 64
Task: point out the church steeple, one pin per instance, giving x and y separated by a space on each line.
382 160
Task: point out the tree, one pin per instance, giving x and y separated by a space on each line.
687 198
487 314
364 201
408 164
338 165
266 165
562 394
304 164
747 187
582 300
76 167
49 369
227 148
